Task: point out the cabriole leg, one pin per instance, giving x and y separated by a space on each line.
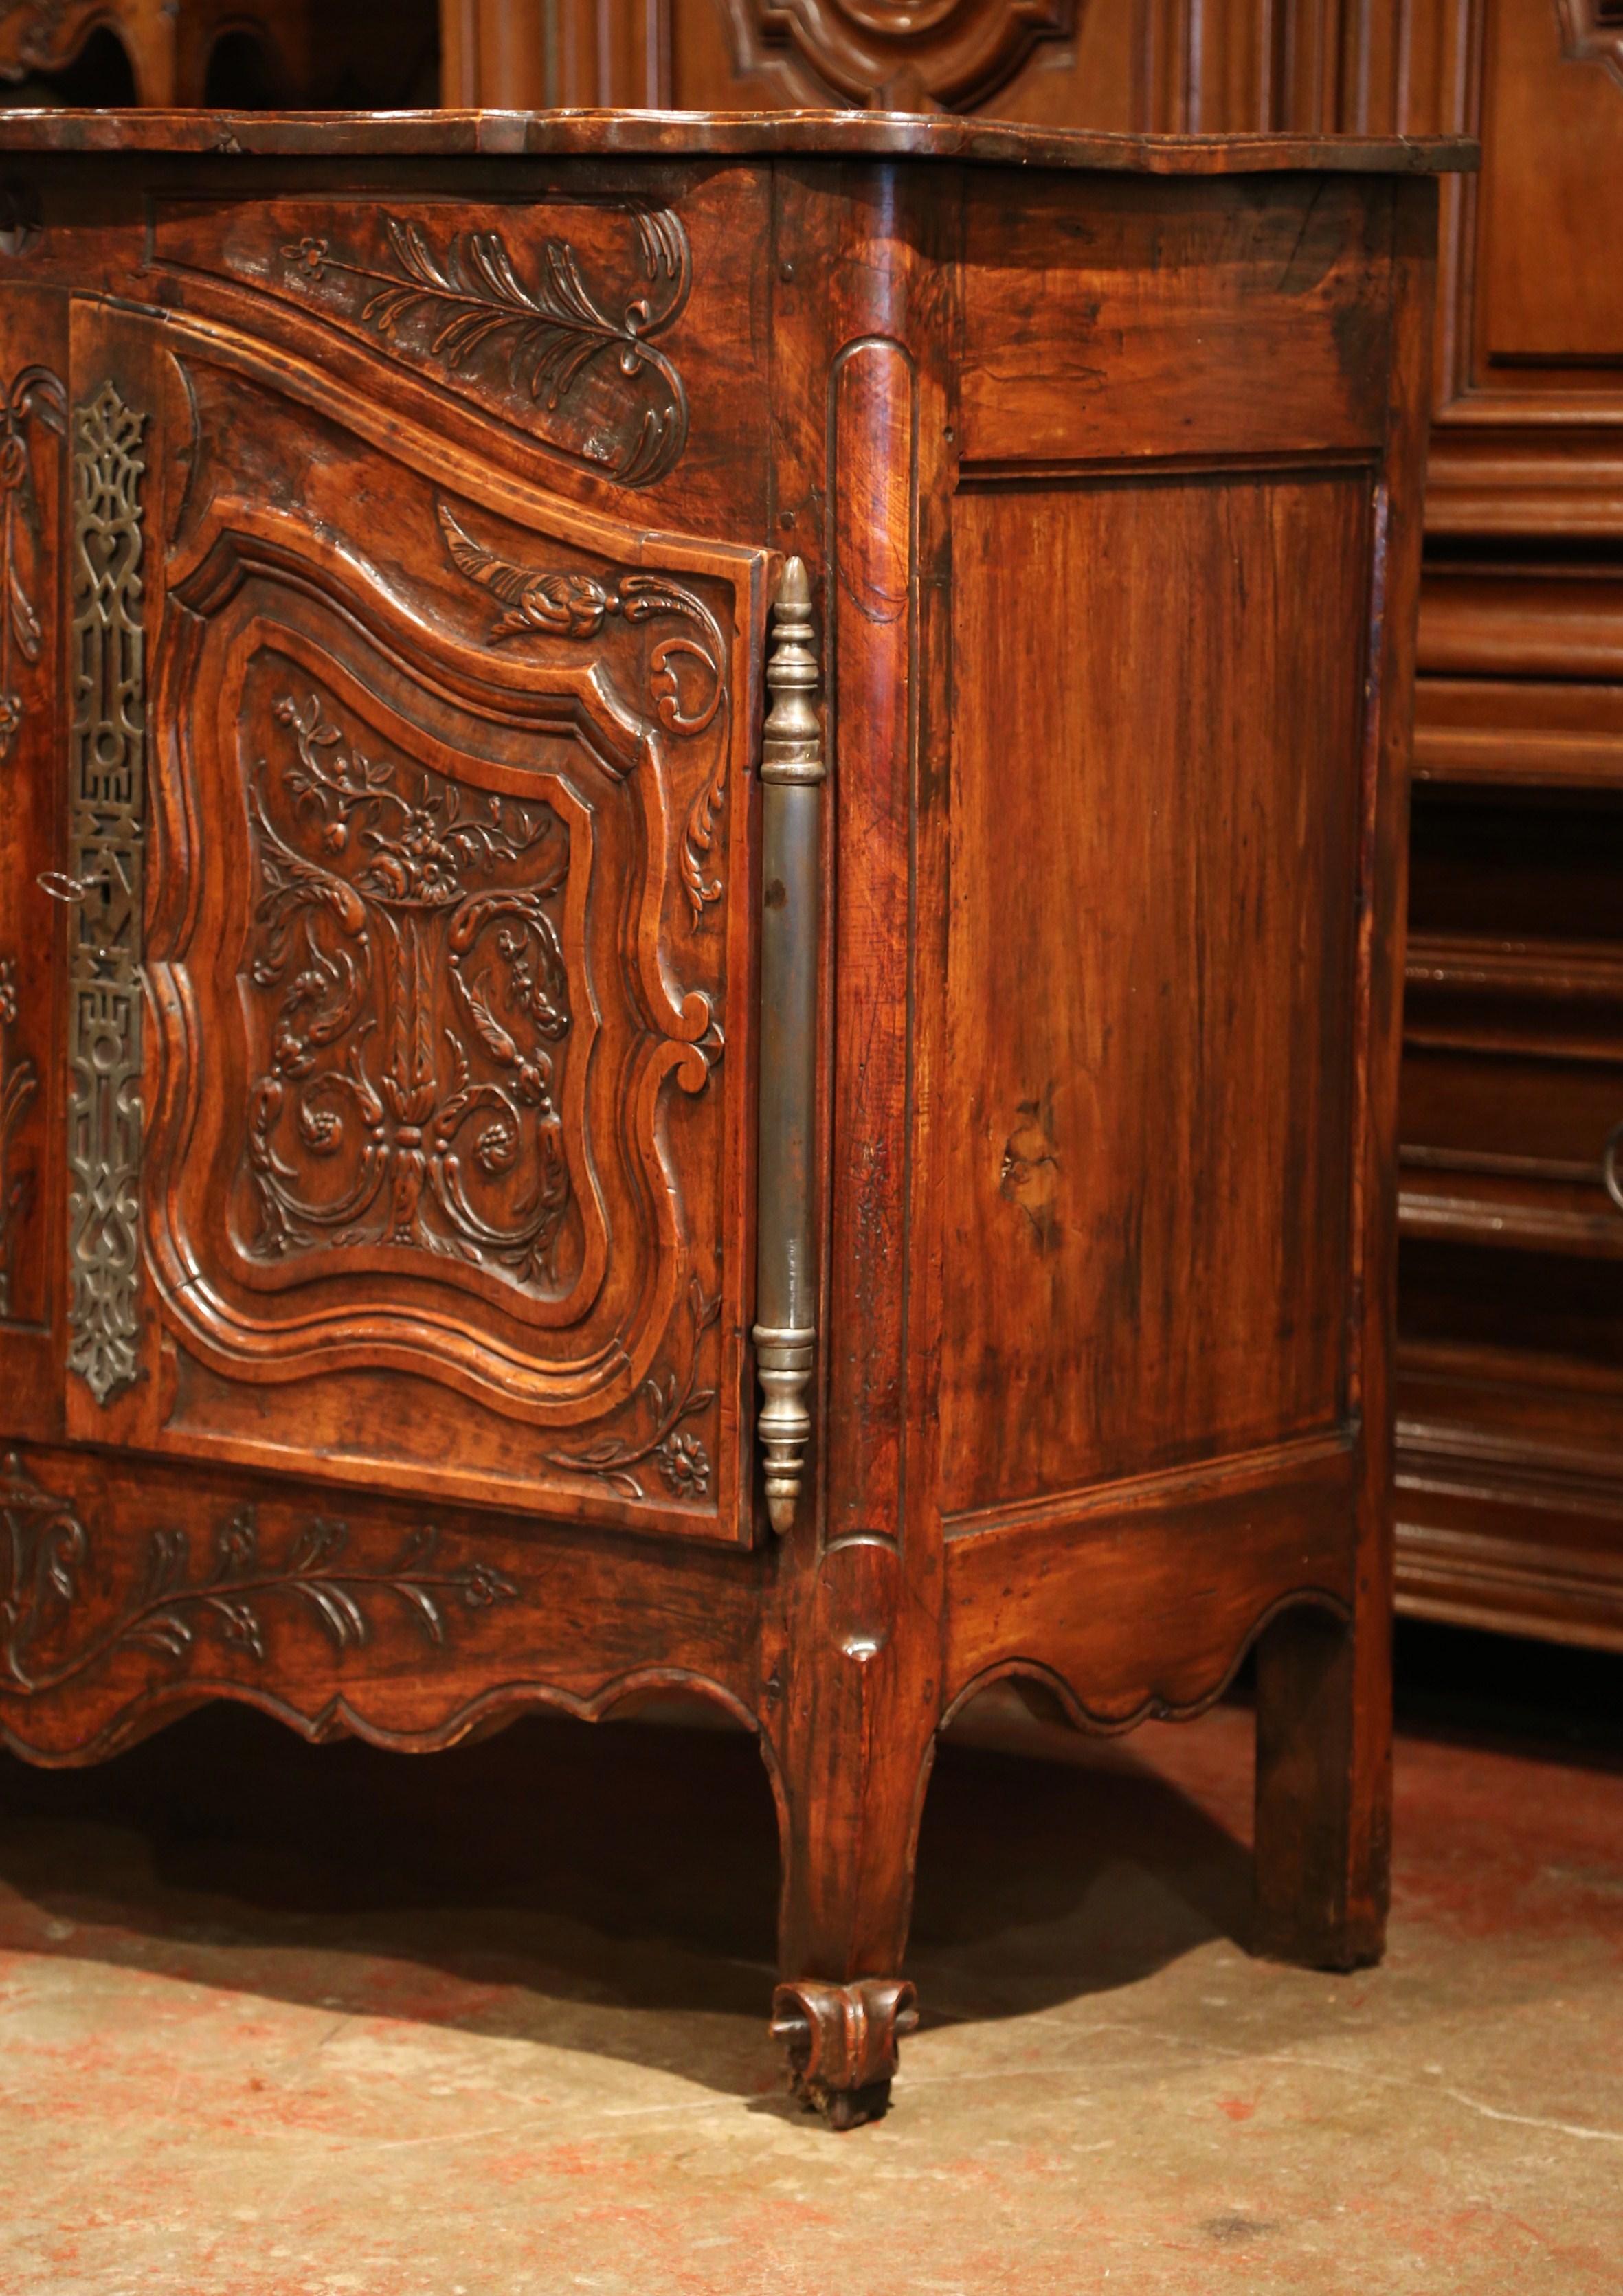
852 1759
1324 1788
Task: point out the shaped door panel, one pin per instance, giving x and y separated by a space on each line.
448 935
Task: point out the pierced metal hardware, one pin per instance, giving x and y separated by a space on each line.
103 885
793 770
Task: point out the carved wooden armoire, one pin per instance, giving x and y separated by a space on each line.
701 889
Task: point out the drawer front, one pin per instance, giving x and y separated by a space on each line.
424 1159
1251 315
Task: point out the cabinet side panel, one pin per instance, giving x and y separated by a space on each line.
1155 797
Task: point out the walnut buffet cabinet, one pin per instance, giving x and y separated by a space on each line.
701 906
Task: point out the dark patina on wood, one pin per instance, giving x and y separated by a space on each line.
581 1123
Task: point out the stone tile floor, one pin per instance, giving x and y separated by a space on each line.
277 2020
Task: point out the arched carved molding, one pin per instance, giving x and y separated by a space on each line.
134 1632
1158 1705
346 1715
1592 32
899 55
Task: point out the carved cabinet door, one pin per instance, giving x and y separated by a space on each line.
442 1100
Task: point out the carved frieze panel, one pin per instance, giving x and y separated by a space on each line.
180 1610
560 318
899 56
452 844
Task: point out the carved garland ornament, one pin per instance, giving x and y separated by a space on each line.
386 897
107 782
46 1546
458 305
577 606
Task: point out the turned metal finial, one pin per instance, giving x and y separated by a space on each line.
791 748
793 770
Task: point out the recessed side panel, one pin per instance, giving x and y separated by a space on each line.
1155 800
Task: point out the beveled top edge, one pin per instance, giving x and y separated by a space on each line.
680 135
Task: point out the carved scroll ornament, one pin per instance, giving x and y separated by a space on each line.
576 606
405 932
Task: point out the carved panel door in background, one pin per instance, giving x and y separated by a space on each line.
443 1084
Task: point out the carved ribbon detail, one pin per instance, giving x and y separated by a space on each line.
46 1547
410 1096
555 335
574 605
108 780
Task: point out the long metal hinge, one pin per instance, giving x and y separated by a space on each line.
792 772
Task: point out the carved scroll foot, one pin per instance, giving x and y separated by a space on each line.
841 2043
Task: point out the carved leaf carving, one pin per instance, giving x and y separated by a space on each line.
464 301
46 1548
668 1398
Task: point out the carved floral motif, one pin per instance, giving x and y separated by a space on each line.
18 1082
683 1461
409 1098
34 392
46 1548
460 305
574 605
